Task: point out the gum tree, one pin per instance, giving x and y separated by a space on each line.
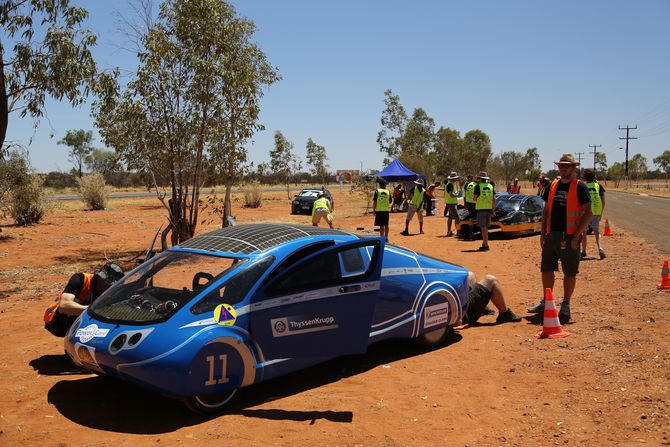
44 51
283 161
316 158
191 106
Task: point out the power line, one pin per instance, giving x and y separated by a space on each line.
627 138
595 151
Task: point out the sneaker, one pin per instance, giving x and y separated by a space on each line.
488 311
450 234
508 317
583 255
564 313
404 233
602 254
536 309
484 248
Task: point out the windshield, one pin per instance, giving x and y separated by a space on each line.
309 194
161 286
507 205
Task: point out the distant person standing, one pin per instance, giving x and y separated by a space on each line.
415 206
514 187
485 197
429 197
451 201
565 217
597 193
398 197
542 184
322 209
381 203
470 204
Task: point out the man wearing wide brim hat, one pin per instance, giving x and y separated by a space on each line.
566 215
416 195
485 198
451 201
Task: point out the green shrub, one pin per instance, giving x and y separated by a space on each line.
253 196
21 193
28 205
93 190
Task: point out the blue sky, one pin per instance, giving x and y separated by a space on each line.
559 76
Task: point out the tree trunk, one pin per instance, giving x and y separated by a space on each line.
4 107
227 204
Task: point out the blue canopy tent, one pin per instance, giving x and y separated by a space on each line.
397 171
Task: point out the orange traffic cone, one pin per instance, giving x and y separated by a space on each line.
608 230
665 277
552 326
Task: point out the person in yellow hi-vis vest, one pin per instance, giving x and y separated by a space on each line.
322 209
381 203
451 201
415 206
470 205
597 193
485 196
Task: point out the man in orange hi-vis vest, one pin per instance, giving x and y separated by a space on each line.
566 215
81 290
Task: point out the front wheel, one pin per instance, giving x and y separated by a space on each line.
434 338
211 403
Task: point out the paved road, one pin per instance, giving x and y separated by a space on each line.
647 217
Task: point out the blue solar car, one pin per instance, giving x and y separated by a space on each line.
248 303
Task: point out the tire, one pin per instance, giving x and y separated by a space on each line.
211 403
432 339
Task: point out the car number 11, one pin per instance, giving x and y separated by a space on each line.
212 366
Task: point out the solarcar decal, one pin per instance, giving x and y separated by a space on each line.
302 324
224 314
89 332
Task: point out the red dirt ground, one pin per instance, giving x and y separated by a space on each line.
607 384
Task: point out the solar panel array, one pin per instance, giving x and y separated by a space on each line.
250 238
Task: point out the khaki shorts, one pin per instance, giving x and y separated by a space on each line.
319 213
411 210
552 253
484 218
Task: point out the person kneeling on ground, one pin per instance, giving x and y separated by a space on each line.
81 290
481 293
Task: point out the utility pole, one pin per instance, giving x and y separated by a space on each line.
627 137
579 160
595 151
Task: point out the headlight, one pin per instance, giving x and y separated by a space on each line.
295 202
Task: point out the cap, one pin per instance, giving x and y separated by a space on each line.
110 273
567 159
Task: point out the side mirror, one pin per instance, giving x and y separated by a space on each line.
295 195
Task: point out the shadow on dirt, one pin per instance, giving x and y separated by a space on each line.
123 408
55 365
536 319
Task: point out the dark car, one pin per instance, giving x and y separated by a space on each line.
515 213
302 203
